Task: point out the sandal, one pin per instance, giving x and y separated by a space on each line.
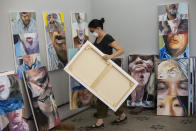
118 121
95 126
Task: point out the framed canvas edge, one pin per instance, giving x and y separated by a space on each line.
6 73
70 93
45 37
30 102
12 40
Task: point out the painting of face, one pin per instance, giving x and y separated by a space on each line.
14 121
59 44
172 105
56 40
80 17
173 31
23 22
30 43
141 68
10 93
84 96
29 59
54 22
80 96
172 70
25 17
38 81
172 87
42 98
177 42
79 28
15 117
172 9
25 40
4 87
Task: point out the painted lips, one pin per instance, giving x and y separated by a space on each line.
2 87
29 40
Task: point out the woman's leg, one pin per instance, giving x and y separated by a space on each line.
102 111
120 113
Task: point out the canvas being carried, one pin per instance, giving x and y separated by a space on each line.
104 79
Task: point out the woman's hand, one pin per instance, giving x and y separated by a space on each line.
107 57
79 46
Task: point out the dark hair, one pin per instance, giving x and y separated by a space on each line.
96 23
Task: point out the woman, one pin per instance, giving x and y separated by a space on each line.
106 44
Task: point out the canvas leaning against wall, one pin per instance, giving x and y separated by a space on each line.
10 93
14 121
79 28
79 95
25 41
54 25
173 30
142 69
41 98
173 87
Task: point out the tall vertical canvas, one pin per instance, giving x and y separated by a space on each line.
172 87
54 25
25 41
192 85
10 93
41 98
79 28
142 68
79 95
173 30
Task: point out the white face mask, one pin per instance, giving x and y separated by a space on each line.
4 81
172 11
95 34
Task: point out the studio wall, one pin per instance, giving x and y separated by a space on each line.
134 23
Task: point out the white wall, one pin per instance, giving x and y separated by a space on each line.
134 25
59 79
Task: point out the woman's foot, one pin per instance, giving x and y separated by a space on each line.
120 120
95 126
98 124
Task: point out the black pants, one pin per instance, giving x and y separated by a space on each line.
102 110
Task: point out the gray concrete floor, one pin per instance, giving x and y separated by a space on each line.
144 121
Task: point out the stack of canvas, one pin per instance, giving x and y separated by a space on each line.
25 41
176 78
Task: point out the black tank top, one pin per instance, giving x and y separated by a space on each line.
104 44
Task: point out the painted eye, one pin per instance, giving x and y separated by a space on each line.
177 105
160 106
162 87
183 86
